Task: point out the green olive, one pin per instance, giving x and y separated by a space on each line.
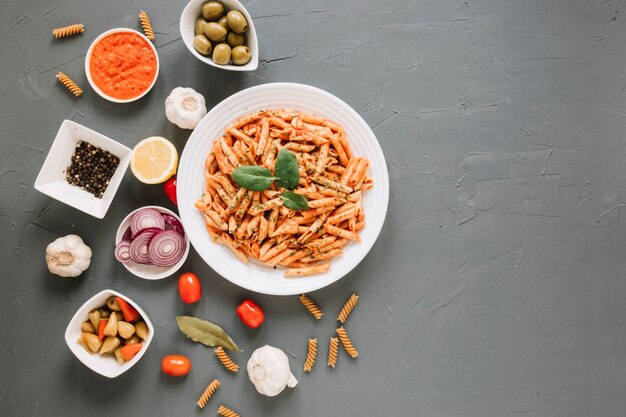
200 26
223 22
241 55
236 39
215 32
236 22
212 10
221 54
202 45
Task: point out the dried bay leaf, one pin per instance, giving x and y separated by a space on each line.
205 332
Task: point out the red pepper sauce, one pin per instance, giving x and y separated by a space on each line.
123 65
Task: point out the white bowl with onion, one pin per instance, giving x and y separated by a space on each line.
151 243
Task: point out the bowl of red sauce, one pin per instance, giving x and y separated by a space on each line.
122 65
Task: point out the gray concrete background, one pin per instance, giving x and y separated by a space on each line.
497 285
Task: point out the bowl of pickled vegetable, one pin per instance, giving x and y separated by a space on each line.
109 333
221 34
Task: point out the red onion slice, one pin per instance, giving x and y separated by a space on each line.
146 218
122 251
128 235
139 245
166 248
172 223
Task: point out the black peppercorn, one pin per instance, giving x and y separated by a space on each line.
91 168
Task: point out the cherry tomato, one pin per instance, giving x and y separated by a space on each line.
170 189
250 314
176 365
189 288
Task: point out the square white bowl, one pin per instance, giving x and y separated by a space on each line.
104 365
51 179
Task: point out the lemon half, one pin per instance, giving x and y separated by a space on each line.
154 160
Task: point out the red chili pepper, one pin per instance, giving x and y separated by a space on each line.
250 314
101 326
170 189
129 312
189 288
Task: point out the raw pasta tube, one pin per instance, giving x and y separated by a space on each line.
310 305
226 412
333 347
146 25
226 360
346 342
310 355
69 84
208 393
68 30
347 308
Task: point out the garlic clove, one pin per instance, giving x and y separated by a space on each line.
111 328
133 340
118 355
109 344
92 341
94 318
87 327
125 329
141 329
81 341
113 305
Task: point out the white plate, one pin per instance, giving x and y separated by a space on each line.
190 181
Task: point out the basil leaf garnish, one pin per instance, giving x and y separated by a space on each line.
286 169
255 178
294 201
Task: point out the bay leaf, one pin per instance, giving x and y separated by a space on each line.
205 332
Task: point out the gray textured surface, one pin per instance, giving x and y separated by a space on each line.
497 286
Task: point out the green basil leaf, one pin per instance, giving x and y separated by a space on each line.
294 201
205 332
287 169
253 178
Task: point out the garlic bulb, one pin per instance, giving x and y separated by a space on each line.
268 369
68 256
185 107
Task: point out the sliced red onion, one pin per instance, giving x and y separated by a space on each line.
146 218
122 251
139 245
128 235
172 223
166 248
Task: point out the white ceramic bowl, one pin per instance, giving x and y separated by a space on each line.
105 365
193 11
51 179
88 59
190 180
151 272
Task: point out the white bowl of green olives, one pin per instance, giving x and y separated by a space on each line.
221 34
